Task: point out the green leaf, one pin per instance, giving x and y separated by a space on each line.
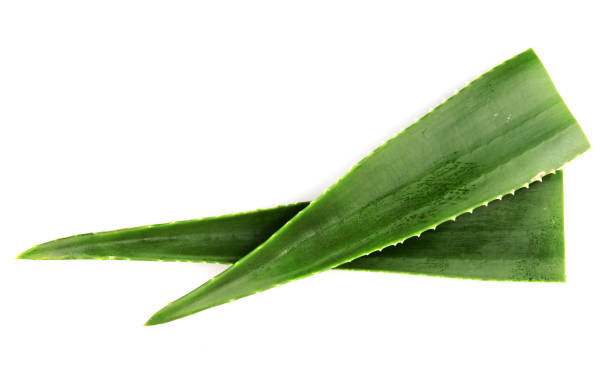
518 239
222 239
503 131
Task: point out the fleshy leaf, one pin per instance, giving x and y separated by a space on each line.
503 131
221 239
518 239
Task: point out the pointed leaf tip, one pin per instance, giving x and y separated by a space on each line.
170 312
28 254
152 321
159 317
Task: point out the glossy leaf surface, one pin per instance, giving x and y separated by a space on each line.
518 239
503 131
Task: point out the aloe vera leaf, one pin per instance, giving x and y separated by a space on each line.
504 130
221 239
518 239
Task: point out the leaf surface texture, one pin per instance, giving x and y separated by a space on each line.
503 131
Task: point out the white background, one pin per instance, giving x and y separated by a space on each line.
123 113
